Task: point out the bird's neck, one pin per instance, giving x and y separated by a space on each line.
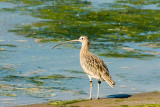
85 47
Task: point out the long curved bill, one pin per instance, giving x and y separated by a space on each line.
66 42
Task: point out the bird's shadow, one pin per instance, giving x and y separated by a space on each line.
119 96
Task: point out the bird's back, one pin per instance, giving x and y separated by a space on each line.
95 67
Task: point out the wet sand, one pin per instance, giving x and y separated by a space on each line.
114 100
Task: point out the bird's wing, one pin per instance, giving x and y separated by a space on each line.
93 65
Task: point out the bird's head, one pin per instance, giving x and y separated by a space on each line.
82 39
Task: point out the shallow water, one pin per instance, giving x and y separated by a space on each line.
33 72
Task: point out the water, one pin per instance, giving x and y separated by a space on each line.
33 72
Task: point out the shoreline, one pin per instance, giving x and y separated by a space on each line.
126 100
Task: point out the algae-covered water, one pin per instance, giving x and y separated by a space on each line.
125 34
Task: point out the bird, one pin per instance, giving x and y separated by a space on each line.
92 65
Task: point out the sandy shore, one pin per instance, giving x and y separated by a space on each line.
114 100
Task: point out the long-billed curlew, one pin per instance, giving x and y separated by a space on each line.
92 65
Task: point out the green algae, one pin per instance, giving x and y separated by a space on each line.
37 80
147 105
12 78
57 76
139 2
26 2
127 55
40 80
66 20
65 102
8 45
6 68
8 94
119 100
35 91
80 92
74 71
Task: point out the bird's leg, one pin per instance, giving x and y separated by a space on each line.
99 82
90 90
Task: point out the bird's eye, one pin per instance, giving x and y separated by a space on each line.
82 38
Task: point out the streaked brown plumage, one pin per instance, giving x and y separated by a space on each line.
92 65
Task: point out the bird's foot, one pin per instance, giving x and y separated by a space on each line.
98 98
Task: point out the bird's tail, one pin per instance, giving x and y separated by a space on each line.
109 80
